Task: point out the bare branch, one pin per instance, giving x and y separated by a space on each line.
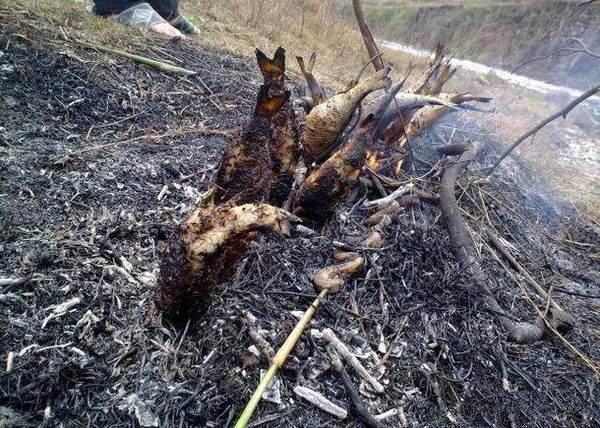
463 249
585 49
367 36
561 52
543 123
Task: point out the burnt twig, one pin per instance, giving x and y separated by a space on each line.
367 36
358 405
328 335
515 264
401 191
464 250
10 283
321 401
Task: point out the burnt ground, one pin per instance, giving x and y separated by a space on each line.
101 158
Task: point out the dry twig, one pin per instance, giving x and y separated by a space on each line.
367 36
563 112
401 191
321 401
345 353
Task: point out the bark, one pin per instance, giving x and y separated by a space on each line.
259 164
322 191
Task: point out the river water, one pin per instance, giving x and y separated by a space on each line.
514 79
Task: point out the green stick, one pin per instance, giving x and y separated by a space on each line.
138 58
279 360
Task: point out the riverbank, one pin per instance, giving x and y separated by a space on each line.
499 34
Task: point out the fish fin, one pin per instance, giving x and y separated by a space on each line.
272 69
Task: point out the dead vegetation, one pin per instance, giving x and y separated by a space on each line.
407 256
504 34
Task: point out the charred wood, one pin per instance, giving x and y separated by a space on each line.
204 250
246 170
464 251
321 192
451 149
367 36
284 152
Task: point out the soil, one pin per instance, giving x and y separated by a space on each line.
101 158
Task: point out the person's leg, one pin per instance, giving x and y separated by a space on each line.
112 7
143 15
169 10
184 25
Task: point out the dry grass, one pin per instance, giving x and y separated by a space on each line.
238 26
300 26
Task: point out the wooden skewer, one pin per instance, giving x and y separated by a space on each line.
279 359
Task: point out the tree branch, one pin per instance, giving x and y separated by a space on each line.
583 49
563 112
463 249
367 36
